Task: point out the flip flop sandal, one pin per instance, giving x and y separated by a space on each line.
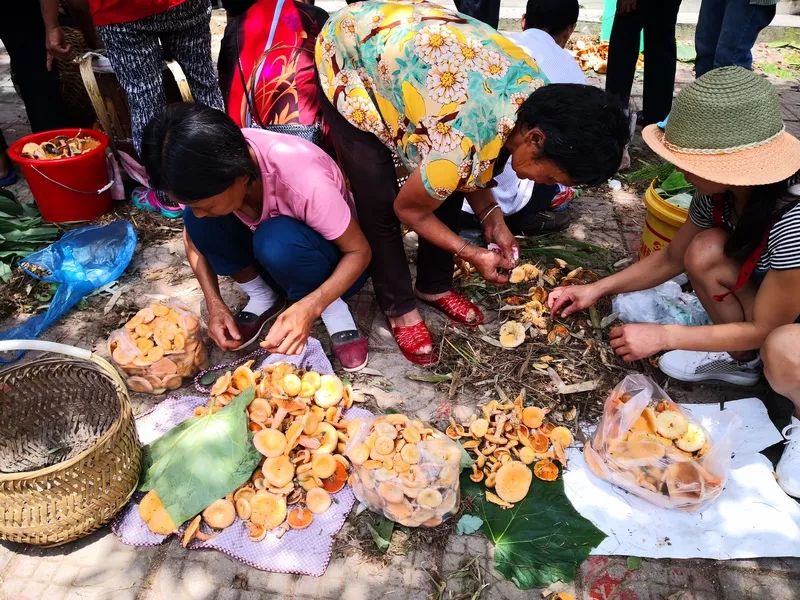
456 307
410 339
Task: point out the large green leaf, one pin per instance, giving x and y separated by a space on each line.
201 460
675 184
543 539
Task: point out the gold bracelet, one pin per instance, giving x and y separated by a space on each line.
460 250
486 216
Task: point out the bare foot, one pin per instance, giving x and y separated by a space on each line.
408 320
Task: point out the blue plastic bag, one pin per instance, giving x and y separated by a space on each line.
81 261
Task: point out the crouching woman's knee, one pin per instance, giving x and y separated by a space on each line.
781 355
705 252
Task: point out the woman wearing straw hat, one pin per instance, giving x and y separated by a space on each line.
740 246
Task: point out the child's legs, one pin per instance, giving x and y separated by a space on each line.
713 273
782 363
296 257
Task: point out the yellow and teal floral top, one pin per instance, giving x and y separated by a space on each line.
438 88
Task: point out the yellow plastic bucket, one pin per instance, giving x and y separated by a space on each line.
661 222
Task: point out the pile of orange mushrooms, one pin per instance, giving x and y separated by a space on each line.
508 440
296 417
532 306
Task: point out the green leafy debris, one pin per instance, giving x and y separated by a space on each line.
430 377
22 231
201 460
633 563
381 533
543 539
778 71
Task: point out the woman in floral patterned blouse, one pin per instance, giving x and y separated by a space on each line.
453 100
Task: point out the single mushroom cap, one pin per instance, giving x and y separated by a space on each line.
512 481
243 377
512 334
310 383
323 465
546 470
318 500
270 442
291 384
390 492
337 481
359 454
479 427
429 498
278 470
561 435
155 516
533 416
220 514
330 391
267 509
299 517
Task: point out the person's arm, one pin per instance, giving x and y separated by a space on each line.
221 326
289 333
53 34
642 275
414 207
776 304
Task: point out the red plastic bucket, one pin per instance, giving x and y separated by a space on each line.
77 188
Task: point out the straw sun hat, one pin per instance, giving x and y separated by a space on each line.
726 127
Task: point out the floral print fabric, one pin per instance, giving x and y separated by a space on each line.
438 88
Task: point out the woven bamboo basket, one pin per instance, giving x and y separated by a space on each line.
69 455
110 103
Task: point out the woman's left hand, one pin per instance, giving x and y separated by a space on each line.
289 333
635 341
499 233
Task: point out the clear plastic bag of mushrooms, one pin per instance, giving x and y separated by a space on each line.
157 348
404 469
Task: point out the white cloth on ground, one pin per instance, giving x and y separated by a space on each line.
752 517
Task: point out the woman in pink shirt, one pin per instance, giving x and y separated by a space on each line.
273 212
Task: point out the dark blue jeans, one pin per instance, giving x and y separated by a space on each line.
726 32
290 256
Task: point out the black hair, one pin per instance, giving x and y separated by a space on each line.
585 129
194 152
767 204
553 16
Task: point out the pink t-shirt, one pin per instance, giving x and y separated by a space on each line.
300 181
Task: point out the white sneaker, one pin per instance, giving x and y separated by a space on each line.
686 365
788 469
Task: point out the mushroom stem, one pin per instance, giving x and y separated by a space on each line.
276 421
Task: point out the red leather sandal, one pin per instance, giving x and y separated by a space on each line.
413 337
456 307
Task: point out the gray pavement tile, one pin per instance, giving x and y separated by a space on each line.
749 585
